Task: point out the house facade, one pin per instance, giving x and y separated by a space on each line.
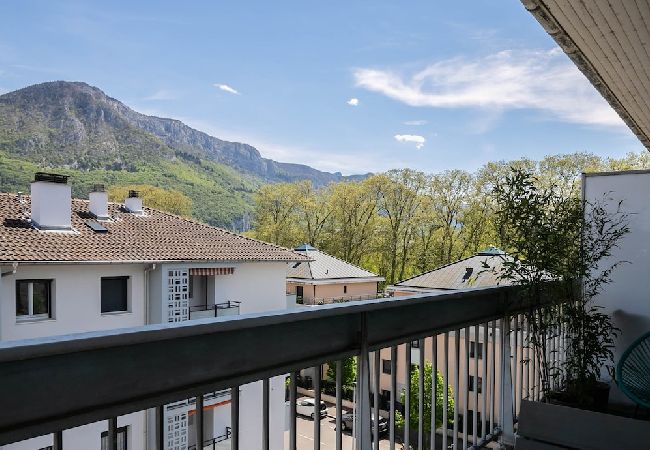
71 266
326 279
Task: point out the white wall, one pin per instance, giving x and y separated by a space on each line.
76 304
76 300
627 298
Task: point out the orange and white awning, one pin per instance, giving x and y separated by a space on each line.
209 271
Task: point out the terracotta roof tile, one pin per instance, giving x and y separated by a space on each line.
154 236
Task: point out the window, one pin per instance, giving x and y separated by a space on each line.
473 349
415 344
114 294
33 299
121 439
385 366
472 386
345 289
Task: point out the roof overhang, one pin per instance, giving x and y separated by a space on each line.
609 41
335 280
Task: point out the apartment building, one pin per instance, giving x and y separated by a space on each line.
71 266
476 271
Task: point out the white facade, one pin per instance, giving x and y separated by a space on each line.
156 293
627 298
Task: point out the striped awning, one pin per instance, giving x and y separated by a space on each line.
213 271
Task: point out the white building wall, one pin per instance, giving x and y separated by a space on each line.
76 307
627 298
76 300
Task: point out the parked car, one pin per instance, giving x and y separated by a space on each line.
348 418
305 407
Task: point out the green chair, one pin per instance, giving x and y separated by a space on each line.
633 372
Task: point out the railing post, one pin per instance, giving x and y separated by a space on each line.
363 438
507 437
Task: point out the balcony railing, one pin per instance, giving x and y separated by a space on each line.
229 308
52 384
213 444
342 299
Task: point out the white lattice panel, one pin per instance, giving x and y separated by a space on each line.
176 430
178 294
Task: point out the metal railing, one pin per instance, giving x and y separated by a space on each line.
342 299
52 384
229 308
211 444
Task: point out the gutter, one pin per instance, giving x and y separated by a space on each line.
11 272
156 261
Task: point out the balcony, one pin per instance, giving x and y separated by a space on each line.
54 384
229 308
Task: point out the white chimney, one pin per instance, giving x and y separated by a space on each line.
133 202
99 202
51 202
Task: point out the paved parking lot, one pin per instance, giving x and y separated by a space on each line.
305 434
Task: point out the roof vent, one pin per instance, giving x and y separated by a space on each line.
468 273
51 202
99 202
133 202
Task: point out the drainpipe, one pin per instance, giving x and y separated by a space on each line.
146 291
146 321
14 268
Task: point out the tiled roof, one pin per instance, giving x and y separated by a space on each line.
154 236
325 267
466 273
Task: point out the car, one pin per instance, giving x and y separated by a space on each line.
348 418
305 407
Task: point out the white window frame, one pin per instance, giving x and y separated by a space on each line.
30 316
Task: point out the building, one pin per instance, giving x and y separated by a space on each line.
71 266
326 279
477 271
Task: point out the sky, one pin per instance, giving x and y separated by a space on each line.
351 86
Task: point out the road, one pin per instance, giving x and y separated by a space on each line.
305 434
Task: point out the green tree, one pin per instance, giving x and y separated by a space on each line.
414 405
353 221
276 214
154 197
349 372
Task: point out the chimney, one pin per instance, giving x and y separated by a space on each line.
51 202
99 202
133 203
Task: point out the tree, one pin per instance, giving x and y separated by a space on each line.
399 197
349 372
353 220
414 400
154 197
314 210
276 214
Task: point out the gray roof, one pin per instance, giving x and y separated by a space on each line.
326 267
466 273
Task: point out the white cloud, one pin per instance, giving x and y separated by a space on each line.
417 139
543 80
415 123
226 88
353 102
162 94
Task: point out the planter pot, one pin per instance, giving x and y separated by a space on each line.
592 397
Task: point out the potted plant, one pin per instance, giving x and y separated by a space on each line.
558 246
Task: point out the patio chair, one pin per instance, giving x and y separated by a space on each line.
633 372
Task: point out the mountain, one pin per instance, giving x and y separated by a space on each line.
76 129
77 125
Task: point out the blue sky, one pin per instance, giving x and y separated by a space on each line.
350 86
